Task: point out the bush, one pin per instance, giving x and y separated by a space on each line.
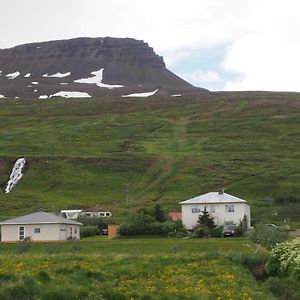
267 237
59 294
86 231
283 199
217 232
283 288
201 232
284 260
27 288
43 276
151 227
248 260
24 246
53 248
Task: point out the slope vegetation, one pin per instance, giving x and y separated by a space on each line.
84 153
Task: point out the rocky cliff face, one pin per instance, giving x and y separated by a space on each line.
85 67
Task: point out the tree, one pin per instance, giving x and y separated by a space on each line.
158 213
205 224
205 220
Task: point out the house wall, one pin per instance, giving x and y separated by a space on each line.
48 232
189 218
73 231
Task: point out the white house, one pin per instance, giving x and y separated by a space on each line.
39 227
221 206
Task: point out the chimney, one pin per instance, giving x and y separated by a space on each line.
221 192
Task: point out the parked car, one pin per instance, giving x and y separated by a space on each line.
229 230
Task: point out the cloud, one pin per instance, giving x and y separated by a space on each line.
259 39
267 59
207 79
201 78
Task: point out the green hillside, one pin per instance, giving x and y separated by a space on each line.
83 153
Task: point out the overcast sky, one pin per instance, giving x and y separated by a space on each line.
215 44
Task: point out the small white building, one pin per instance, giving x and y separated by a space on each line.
71 213
39 227
221 206
75 213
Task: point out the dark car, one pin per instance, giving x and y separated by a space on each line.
229 230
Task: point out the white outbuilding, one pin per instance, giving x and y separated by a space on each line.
39 227
221 206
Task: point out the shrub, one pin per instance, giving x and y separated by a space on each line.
59 294
4 277
53 248
217 232
267 237
27 288
86 231
43 276
284 260
150 226
76 247
201 232
283 288
286 199
24 246
248 260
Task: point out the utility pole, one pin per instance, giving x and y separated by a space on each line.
127 194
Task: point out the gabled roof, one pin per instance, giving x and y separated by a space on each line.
213 197
39 218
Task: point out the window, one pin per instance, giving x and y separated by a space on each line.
212 208
71 231
195 210
37 230
75 230
21 233
229 208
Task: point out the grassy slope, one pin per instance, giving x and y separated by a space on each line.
84 152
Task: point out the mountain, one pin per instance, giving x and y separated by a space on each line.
87 67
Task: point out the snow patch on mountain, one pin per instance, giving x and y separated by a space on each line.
27 75
13 75
58 75
43 97
34 82
147 94
65 94
2 97
176 95
16 174
97 79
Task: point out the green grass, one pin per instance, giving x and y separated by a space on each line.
84 153
152 268
140 246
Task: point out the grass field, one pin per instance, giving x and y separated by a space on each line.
83 153
153 268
